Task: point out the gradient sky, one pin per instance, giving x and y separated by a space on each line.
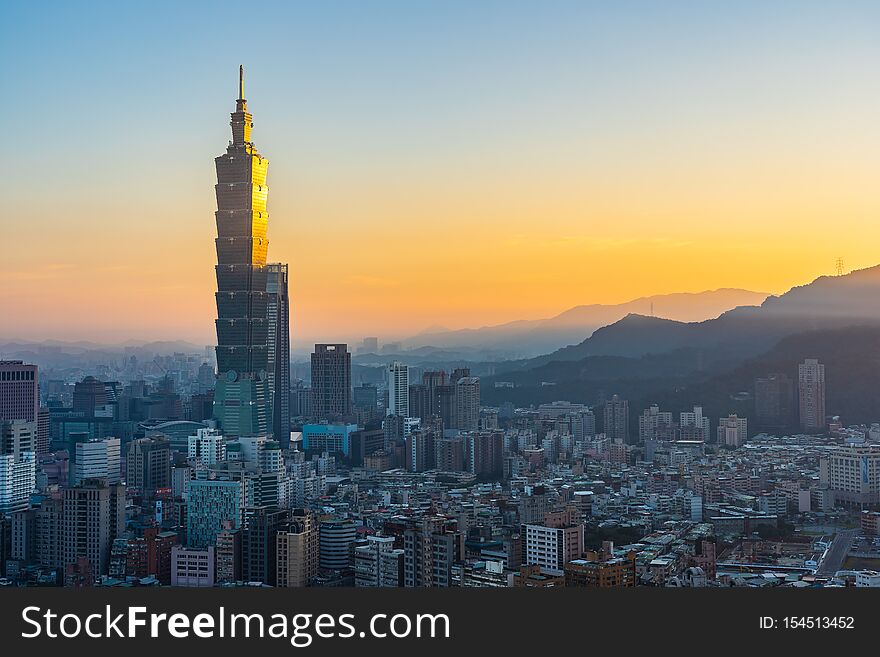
451 163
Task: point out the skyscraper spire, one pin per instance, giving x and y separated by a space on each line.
242 121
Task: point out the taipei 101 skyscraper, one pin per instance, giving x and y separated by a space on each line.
252 307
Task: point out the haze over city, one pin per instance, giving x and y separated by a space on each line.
453 164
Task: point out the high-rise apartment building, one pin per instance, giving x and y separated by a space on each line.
398 389
432 380
774 402
484 453
419 401
148 465
258 544
242 400
430 546
93 517
617 419
467 403
811 395
18 464
331 382
207 447
297 550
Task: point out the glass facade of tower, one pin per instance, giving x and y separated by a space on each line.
242 399
279 351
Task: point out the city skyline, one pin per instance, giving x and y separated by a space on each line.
720 170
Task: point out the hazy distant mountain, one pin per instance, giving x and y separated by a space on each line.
525 338
828 302
676 381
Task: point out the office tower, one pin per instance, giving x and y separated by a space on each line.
433 380
811 395
148 465
365 402
398 389
207 447
23 544
89 396
378 563
617 419
258 544
774 402
93 516
370 345
693 425
484 453
335 538
733 431
210 503
19 391
278 311
297 551
552 546
654 424
228 553
467 403
97 459
449 454
193 567
331 382
430 547
419 401
242 403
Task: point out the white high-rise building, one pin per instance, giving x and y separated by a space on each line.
97 459
398 389
553 547
207 447
18 478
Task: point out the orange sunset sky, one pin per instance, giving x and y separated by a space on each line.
434 163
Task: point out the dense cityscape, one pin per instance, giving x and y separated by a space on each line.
242 466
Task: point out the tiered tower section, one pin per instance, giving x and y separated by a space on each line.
242 402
